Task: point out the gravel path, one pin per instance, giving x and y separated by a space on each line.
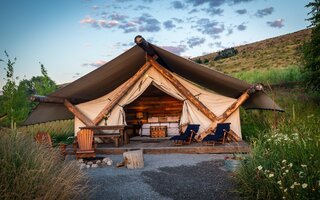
165 176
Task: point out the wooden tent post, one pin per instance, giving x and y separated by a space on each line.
74 110
183 90
233 107
84 119
119 95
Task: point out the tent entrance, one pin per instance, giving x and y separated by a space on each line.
154 108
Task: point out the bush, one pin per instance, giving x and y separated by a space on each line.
60 130
31 171
284 163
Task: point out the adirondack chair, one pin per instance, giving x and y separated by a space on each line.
187 136
85 144
43 138
219 135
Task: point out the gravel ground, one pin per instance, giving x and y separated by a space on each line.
165 176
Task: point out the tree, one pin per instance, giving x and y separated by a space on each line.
15 101
9 91
43 85
312 50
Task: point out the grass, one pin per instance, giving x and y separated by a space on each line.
273 76
31 171
61 131
284 163
278 53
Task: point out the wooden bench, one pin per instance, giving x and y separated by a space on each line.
115 137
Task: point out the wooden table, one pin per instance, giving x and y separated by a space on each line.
124 139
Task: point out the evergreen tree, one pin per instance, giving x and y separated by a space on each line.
312 49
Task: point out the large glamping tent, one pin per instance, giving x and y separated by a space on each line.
161 88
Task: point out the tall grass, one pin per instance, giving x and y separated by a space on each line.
59 130
31 171
285 158
272 76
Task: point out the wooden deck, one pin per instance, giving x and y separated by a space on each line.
165 146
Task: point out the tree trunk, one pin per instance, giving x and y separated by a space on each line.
133 159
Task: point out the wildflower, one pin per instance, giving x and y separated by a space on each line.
295 183
287 171
271 175
292 186
285 190
290 165
283 173
284 161
279 182
304 185
303 165
259 167
301 174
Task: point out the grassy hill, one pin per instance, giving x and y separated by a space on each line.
278 52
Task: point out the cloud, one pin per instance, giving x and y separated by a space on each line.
91 21
216 3
95 7
177 20
241 11
242 27
193 11
117 17
147 23
169 25
195 41
206 26
97 63
264 12
214 11
178 5
141 7
128 27
108 24
279 23
176 49
216 44
212 3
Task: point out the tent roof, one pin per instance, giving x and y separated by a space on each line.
112 74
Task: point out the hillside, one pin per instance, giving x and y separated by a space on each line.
278 52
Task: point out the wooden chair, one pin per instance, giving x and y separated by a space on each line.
85 144
43 138
219 136
187 136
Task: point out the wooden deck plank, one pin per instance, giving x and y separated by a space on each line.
167 147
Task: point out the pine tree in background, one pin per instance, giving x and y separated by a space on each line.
312 49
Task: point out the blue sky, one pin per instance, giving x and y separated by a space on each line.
74 37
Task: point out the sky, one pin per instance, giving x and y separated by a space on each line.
73 37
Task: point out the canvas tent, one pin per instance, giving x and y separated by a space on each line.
95 90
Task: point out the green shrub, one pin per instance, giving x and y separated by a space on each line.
60 130
284 163
31 171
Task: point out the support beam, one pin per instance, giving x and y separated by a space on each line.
119 95
183 90
46 99
50 99
84 119
233 107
